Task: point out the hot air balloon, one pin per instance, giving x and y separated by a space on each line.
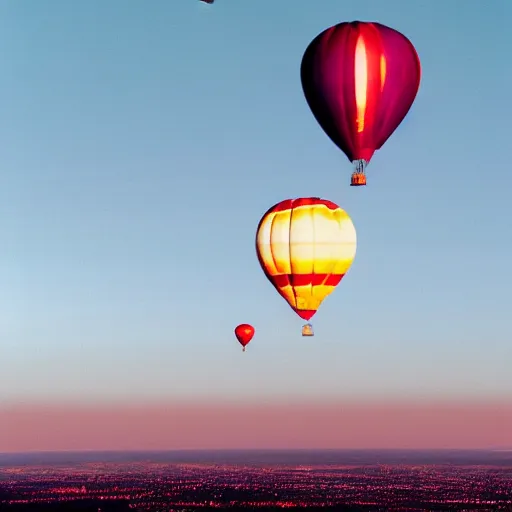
360 80
305 246
244 334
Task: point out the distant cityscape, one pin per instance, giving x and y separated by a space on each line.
186 481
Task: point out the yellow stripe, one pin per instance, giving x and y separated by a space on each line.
361 82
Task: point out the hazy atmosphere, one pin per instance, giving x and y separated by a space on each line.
142 143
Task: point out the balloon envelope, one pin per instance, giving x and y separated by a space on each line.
305 246
360 80
244 334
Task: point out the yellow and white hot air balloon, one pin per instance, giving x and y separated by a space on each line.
305 246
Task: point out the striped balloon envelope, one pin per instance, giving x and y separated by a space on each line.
360 80
305 246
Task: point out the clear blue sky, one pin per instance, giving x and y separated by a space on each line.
140 143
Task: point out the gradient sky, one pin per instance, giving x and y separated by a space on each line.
142 141
405 425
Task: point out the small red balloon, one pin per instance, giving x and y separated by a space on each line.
244 334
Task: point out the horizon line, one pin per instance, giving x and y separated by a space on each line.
287 450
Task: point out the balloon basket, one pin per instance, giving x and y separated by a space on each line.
358 179
307 330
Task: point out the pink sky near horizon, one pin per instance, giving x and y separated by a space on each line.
454 425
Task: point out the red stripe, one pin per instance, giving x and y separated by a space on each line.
305 314
282 280
290 204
